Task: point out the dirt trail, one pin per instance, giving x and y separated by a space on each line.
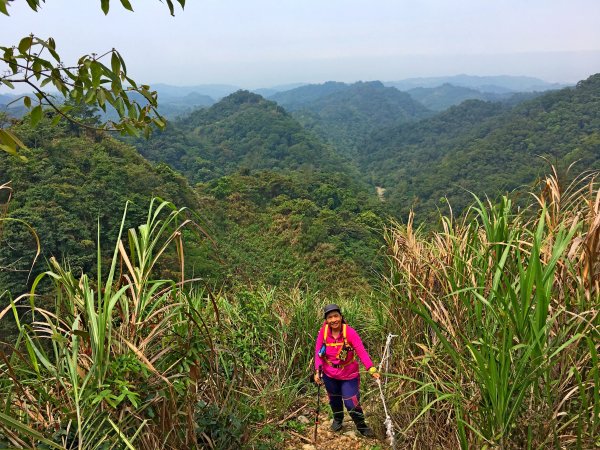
346 439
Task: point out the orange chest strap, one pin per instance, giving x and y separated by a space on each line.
335 344
344 344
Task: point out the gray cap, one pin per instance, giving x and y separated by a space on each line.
330 308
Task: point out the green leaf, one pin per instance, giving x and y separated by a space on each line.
27 102
116 88
132 111
96 69
115 64
130 129
33 4
120 107
90 97
25 44
8 83
13 66
105 5
36 115
36 67
3 9
131 82
171 7
101 96
123 66
8 143
51 48
13 424
126 5
110 98
8 149
8 53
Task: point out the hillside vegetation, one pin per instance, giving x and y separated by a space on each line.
242 131
347 115
484 148
166 294
71 191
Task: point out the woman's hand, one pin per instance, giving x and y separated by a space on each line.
317 378
374 373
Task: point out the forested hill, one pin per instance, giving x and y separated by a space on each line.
283 206
241 132
485 148
70 183
347 115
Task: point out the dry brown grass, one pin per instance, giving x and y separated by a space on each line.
463 301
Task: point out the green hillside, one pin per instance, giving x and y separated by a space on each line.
485 148
282 206
318 230
241 132
68 185
287 211
345 117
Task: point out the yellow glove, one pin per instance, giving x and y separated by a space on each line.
374 373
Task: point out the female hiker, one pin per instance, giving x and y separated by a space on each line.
335 358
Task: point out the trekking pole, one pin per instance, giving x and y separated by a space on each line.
318 405
389 426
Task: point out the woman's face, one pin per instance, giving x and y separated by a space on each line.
334 320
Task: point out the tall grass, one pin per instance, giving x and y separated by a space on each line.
121 361
129 360
498 313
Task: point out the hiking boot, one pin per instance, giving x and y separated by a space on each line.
336 425
366 431
359 420
338 419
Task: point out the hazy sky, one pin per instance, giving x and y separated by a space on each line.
260 43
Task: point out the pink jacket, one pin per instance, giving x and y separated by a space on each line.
350 370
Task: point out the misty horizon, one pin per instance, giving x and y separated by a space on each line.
269 43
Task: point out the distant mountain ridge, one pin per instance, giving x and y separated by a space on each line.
301 96
215 91
499 84
443 97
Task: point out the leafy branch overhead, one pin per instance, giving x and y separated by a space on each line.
104 4
96 80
